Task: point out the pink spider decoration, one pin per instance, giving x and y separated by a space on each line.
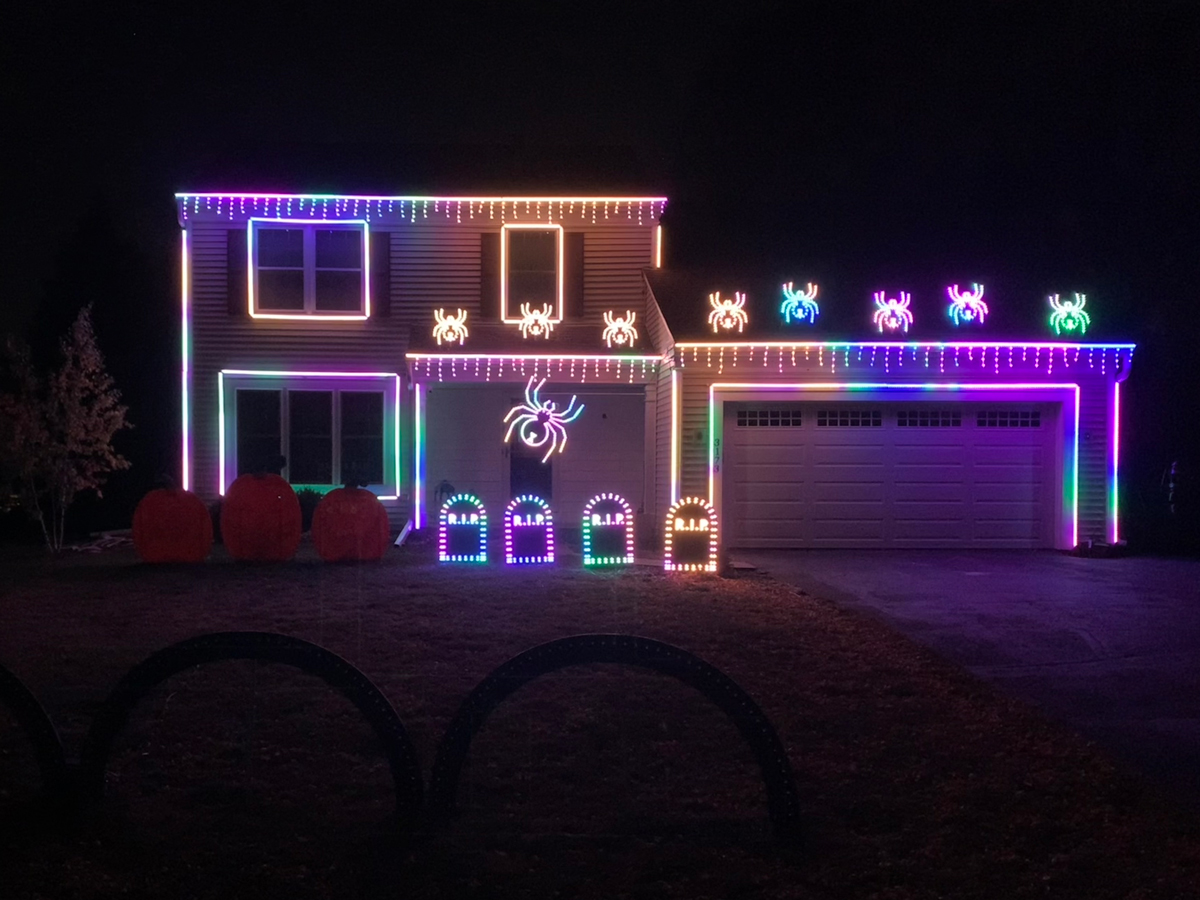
892 314
539 423
967 307
727 313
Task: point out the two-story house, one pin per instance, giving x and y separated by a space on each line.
502 345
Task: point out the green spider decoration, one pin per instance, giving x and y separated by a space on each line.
1068 315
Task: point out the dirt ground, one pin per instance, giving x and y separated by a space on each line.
249 779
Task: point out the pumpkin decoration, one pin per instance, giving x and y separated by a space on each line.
260 519
172 526
350 524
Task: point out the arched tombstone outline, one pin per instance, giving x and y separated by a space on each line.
444 524
310 658
513 558
783 801
588 525
705 523
47 746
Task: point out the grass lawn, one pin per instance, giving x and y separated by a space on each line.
244 779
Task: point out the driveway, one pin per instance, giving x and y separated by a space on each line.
1109 646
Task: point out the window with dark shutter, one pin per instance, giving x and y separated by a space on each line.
489 276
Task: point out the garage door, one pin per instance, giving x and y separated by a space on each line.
915 474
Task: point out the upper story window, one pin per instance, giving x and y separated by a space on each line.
531 271
304 269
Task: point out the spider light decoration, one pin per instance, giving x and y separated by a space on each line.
967 307
727 313
448 329
892 314
619 330
800 305
539 423
1068 315
537 322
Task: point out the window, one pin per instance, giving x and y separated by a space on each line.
531 270
929 418
751 418
319 430
849 418
1008 418
308 269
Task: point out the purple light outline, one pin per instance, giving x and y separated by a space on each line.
559 241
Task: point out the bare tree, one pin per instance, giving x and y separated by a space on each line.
57 431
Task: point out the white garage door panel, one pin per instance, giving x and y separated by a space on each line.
890 485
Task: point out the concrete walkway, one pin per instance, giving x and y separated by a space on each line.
1109 646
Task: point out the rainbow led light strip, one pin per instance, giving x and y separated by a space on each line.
988 355
478 519
409 208
505 315
553 366
676 522
512 519
1071 481
592 519
418 458
185 333
252 271
285 376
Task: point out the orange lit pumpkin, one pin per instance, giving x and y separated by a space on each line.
260 519
172 526
350 524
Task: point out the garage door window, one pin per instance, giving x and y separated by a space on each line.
849 418
768 418
929 418
1009 418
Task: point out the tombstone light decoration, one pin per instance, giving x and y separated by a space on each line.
607 531
619 330
1068 315
727 314
462 530
690 544
894 313
800 305
539 423
536 322
528 531
450 329
968 307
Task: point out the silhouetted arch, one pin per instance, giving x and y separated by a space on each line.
329 667
32 719
782 800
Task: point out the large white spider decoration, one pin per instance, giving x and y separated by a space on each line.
1069 314
536 321
539 423
892 314
619 330
449 329
967 307
800 305
727 313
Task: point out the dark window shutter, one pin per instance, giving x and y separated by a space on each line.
235 270
489 276
573 275
381 274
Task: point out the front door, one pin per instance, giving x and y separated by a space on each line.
527 474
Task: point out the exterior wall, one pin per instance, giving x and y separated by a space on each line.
699 368
434 261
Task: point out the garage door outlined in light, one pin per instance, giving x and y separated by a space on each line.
933 390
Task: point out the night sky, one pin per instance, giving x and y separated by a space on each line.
1037 147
